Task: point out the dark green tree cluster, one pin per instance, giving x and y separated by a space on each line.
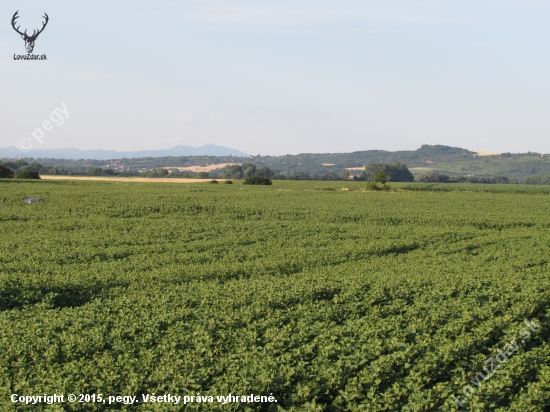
536 180
20 169
246 170
397 172
157 173
257 180
432 178
27 174
6 172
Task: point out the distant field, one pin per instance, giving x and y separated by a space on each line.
207 168
487 154
421 169
329 299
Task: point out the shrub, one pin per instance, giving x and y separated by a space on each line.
228 182
257 180
372 186
213 181
6 172
28 174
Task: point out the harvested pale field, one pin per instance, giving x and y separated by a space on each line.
127 179
355 168
487 154
421 169
207 168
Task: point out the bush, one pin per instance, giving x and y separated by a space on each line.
228 182
372 186
213 181
28 174
6 172
257 180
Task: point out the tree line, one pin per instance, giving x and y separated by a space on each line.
396 172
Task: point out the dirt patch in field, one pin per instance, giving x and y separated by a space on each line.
127 179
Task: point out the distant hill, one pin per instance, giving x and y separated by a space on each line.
206 150
452 161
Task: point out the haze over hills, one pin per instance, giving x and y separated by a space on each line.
206 150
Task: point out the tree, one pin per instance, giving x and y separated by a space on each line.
381 177
202 175
235 172
158 173
249 169
95 171
432 177
397 172
6 172
28 174
246 170
265 172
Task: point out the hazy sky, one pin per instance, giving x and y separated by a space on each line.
277 77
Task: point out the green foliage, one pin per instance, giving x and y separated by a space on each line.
265 172
432 178
6 172
227 182
247 170
397 172
329 299
213 181
536 180
372 186
202 175
95 171
257 180
27 174
157 173
380 177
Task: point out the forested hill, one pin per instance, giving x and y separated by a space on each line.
412 158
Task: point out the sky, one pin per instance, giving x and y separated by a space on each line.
279 77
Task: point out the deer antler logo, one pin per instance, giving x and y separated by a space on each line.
29 40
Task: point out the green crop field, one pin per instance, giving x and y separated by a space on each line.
324 299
